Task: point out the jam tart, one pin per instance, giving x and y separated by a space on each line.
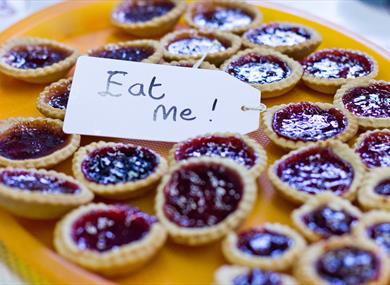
40 194
118 170
321 167
109 239
238 148
325 216
35 142
343 260
294 40
328 69
148 18
36 60
192 44
298 124
223 15
201 200
190 63
271 72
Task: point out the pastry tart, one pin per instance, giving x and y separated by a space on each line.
200 200
147 51
36 60
367 100
292 39
328 69
322 167
190 63
148 18
35 142
239 275
342 261
192 44
109 239
40 194
223 15
324 216
297 124
118 170
269 71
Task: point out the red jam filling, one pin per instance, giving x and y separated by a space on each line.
259 69
375 150
380 233
258 277
370 101
328 222
275 35
316 170
31 140
202 195
348 266
383 188
334 64
124 53
59 95
263 242
195 46
104 230
120 164
37 182
34 56
212 146
308 122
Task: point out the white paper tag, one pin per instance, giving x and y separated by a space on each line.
115 98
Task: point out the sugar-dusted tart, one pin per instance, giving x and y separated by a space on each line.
240 275
321 167
109 239
269 71
148 18
325 215
147 51
36 60
192 44
35 142
40 194
297 124
201 200
367 100
223 15
118 170
346 261
292 39
239 148
190 63
328 69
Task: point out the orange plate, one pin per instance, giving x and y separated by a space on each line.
85 24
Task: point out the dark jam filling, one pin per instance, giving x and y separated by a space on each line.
370 101
60 96
263 242
136 54
36 182
258 277
195 46
226 147
34 56
259 69
316 170
308 122
142 11
31 140
103 230
334 64
348 266
375 150
380 233
383 188
328 222
275 35
200 195
121 164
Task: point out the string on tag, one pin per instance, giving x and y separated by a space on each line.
206 53
261 108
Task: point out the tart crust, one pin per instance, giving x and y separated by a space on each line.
117 191
349 131
200 236
116 261
192 62
45 74
280 263
36 205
